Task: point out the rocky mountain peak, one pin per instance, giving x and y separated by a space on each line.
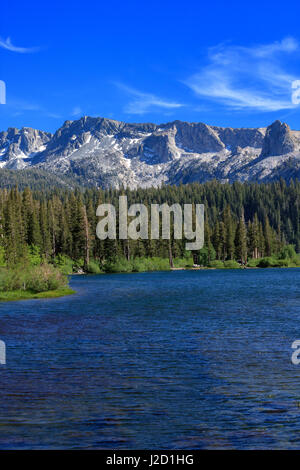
197 137
278 140
24 142
111 153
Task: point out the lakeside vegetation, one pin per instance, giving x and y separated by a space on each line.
286 259
27 281
47 235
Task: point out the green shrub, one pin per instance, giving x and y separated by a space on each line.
64 263
283 263
216 264
267 262
253 262
122 265
44 278
160 264
36 279
183 262
295 262
34 255
141 265
287 252
2 256
13 279
231 264
78 265
206 254
94 267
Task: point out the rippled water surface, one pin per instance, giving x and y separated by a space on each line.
186 360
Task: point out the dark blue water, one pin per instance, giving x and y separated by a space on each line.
198 359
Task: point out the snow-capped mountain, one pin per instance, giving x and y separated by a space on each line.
18 147
111 153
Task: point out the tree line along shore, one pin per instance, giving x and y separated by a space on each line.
46 235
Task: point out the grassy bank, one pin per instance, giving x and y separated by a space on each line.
23 295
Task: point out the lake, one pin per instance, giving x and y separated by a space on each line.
163 360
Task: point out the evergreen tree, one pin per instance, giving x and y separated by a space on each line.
241 240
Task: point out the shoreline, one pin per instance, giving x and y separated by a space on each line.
194 268
11 296
240 267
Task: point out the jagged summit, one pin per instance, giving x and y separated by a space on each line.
107 152
278 140
17 146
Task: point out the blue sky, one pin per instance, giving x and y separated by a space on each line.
223 63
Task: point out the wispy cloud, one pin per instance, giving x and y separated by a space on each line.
18 107
76 111
22 105
247 77
7 44
286 45
142 102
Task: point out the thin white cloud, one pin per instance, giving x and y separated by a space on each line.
17 107
247 77
286 45
23 105
76 111
142 103
52 115
7 44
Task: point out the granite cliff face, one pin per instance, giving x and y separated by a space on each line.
18 147
278 140
112 153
